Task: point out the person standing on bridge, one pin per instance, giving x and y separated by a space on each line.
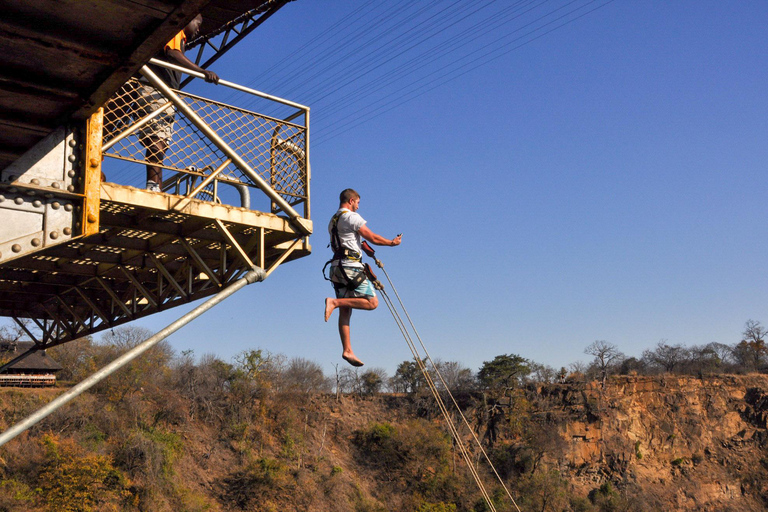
353 289
156 135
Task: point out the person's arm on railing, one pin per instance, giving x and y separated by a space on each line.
182 60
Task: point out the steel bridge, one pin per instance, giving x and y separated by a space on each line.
82 250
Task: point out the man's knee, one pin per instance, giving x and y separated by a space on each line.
374 302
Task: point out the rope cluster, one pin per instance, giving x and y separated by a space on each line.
463 449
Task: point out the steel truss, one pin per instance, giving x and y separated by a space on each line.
217 43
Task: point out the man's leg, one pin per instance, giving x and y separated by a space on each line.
345 307
345 315
367 303
155 155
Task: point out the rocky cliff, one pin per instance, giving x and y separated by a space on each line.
678 443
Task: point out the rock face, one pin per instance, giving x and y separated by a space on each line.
682 443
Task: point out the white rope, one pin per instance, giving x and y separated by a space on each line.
435 392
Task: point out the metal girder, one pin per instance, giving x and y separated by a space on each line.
213 45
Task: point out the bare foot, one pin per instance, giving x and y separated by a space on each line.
328 310
351 359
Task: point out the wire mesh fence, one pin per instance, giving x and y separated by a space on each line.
141 126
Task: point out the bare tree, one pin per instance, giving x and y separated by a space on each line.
606 356
305 376
668 358
752 352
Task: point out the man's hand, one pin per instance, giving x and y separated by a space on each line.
397 239
210 76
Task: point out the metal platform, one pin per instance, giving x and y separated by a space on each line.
147 257
79 254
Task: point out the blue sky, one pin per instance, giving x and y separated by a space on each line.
605 181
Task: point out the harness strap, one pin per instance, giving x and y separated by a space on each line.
340 254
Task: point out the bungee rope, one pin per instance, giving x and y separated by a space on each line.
431 384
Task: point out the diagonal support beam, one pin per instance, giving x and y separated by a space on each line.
199 261
93 306
114 296
164 271
233 242
138 286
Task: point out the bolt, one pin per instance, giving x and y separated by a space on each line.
71 188
54 235
16 248
35 242
68 207
55 205
67 231
72 143
35 181
71 174
91 218
37 203
2 198
55 185
18 200
72 158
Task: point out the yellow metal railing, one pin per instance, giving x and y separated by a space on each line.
276 150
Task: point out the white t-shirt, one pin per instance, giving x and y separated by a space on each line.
348 225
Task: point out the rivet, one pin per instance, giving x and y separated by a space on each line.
71 188
71 174
31 193
18 200
71 158
35 242
13 190
54 235
67 231
72 143
77 224
94 162
35 181
37 203
55 185
16 248
68 207
48 196
91 218
55 205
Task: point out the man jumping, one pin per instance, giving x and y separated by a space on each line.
353 289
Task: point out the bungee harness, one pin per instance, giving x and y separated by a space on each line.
339 275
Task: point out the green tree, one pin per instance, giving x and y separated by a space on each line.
408 377
504 373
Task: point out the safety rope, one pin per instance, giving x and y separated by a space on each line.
433 388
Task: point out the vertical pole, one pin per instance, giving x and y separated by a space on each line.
92 173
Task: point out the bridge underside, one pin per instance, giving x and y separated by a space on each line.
151 253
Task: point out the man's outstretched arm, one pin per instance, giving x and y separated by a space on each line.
378 239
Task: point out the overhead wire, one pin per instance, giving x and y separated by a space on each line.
315 42
446 77
419 62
